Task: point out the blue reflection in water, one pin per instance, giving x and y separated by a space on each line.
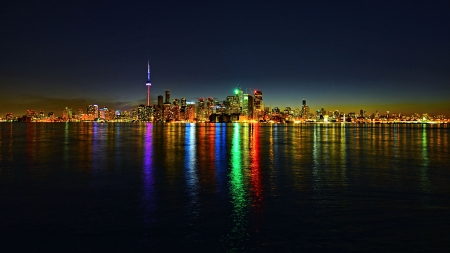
190 161
238 235
148 197
221 154
94 148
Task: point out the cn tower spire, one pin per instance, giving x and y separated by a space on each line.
148 85
148 78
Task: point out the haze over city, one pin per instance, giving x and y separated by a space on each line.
346 56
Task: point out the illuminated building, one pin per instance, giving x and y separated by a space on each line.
167 112
9 116
148 84
190 112
144 113
176 114
141 112
209 106
102 113
160 101
95 111
351 115
32 114
233 104
183 115
67 114
157 114
91 112
239 100
305 110
296 112
167 96
176 110
251 107
287 114
258 105
134 114
201 110
80 113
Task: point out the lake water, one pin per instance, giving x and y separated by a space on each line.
224 187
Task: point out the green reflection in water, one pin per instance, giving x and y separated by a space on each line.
425 161
315 170
238 235
66 146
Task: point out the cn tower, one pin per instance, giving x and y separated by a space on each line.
148 85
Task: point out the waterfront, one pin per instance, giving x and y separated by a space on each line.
225 187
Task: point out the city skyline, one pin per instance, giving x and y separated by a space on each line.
339 56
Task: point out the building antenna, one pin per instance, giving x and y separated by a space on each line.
148 84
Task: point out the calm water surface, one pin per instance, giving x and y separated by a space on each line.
224 187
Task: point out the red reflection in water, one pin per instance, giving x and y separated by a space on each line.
256 177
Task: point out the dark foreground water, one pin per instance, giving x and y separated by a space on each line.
224 187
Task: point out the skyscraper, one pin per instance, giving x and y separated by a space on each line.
167 96
258 105
148 85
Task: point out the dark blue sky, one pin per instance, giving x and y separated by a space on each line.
345 55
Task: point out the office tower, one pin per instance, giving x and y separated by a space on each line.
305 112
239 94
141 113
144 113
190 112
148 84
183 109
80 113
167 96
258 105
95 111
90 112
244 105
201 110
167 112
67 113
160 101
251 107
176 111
102 112
209 106
258 100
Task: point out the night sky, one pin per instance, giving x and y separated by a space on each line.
338 55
